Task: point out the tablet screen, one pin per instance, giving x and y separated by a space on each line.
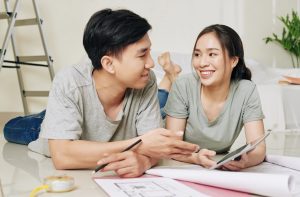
235 152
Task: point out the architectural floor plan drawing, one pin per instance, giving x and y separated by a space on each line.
146 187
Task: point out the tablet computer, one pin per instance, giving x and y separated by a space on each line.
238 152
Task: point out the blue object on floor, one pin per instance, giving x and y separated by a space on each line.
24 129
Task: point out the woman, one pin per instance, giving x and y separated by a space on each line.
213 104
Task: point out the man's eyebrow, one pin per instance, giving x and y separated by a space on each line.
143 50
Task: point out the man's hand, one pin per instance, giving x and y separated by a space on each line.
204 158
162 143
127 164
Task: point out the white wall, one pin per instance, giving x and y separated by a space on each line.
175 23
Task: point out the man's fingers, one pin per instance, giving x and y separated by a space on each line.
117 165
172 134
178 157
185 146
207 152
123 171
113 158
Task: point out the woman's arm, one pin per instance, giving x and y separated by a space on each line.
203 157
175 124
253 131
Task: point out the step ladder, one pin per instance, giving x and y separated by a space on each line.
12 17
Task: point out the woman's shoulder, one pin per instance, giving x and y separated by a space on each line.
244 87
246 84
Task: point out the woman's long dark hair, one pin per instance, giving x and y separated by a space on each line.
232 43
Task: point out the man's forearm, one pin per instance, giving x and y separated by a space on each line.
80 154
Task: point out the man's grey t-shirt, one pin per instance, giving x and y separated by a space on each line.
242 105
75 112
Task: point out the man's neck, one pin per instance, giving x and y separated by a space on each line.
110 91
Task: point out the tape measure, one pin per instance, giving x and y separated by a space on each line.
55 184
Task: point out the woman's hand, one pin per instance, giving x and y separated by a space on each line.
126 164
163 143
204 158
237 165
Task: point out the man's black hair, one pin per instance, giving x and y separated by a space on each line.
109 32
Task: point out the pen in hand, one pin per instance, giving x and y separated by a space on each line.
126 149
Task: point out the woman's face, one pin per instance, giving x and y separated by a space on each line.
211 63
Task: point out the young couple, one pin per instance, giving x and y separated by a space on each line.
98 108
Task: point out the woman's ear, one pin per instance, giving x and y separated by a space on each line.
234 61
107 64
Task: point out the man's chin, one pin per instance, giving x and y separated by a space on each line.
138 86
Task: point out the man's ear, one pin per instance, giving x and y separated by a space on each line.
107 64
234 61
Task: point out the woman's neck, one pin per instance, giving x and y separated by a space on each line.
215 94
213 100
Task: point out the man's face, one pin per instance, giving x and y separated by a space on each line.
133 67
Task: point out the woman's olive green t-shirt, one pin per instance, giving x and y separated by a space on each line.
241 106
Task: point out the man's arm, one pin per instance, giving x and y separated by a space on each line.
80 154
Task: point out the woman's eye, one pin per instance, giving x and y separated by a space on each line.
212 54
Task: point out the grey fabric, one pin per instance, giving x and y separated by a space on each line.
75 112
242 105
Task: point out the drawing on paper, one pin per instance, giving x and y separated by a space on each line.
144 189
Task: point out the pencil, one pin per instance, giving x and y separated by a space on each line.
126 149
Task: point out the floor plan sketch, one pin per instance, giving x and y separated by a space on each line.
146 187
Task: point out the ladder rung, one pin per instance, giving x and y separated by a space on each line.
38 58
23 22
4 15
25 63
6 66
36 93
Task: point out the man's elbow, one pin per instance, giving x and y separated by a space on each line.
60 161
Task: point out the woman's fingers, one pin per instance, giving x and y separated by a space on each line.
237 165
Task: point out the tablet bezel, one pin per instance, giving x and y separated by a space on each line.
239 151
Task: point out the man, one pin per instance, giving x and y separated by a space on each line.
98 108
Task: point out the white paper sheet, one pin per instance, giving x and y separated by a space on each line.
285 161
146 187
267 184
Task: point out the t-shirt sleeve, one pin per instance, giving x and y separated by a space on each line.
177 104
63 119
252 109
148 117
